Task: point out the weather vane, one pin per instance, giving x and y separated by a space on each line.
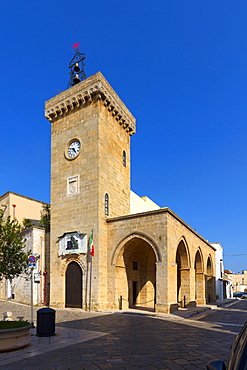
76 45
76 66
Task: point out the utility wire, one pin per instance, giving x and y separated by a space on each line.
231 255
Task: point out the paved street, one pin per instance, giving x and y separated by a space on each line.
231 314
129 340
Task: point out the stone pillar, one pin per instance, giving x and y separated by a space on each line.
162 304
200 288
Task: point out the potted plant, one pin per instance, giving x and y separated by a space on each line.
14 335
13 262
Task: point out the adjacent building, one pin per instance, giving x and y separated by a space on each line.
20 207
223 281
239 281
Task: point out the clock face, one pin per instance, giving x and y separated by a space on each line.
74 148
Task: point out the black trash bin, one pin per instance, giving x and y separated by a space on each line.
45 322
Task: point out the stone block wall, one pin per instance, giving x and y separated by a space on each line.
178 251
92 113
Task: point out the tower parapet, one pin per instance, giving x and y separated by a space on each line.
84 93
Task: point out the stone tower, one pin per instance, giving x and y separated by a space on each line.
90 181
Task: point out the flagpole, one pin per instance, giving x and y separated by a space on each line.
90 279
86 293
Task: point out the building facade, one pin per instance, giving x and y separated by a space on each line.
37 241
19 288
144 255
222 280
239 281
19 206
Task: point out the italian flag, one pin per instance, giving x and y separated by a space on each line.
91 245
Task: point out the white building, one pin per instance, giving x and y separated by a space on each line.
223 284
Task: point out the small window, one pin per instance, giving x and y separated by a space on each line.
135 265
221 272
124 158
106 204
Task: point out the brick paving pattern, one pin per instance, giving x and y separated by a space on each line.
121 341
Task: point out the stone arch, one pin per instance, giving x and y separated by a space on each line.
210 280
199 277
210 270
68 261
183 272
185 255
128 238
135 260
199 261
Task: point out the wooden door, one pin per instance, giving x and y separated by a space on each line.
73 292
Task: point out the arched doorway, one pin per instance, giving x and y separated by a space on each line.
210 282
73 286
183 274
136 273
199 279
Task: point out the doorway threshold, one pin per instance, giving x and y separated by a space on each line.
142 308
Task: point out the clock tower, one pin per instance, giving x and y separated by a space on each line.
90 182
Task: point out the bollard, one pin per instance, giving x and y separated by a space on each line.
45 322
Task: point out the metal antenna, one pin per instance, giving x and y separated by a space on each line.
76 65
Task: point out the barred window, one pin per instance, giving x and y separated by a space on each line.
124 158
106 204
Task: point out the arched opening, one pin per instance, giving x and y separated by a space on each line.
73 286
199 279
210 282
136 274
183 275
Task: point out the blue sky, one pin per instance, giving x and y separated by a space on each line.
181 68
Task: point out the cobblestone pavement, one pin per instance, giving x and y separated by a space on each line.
126 340
234 313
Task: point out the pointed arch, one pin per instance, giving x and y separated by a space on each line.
199 277
131 236
134 261
184 252
198 263
68 261
209 267
210 280
183 271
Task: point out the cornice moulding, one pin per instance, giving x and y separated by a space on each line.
90 90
